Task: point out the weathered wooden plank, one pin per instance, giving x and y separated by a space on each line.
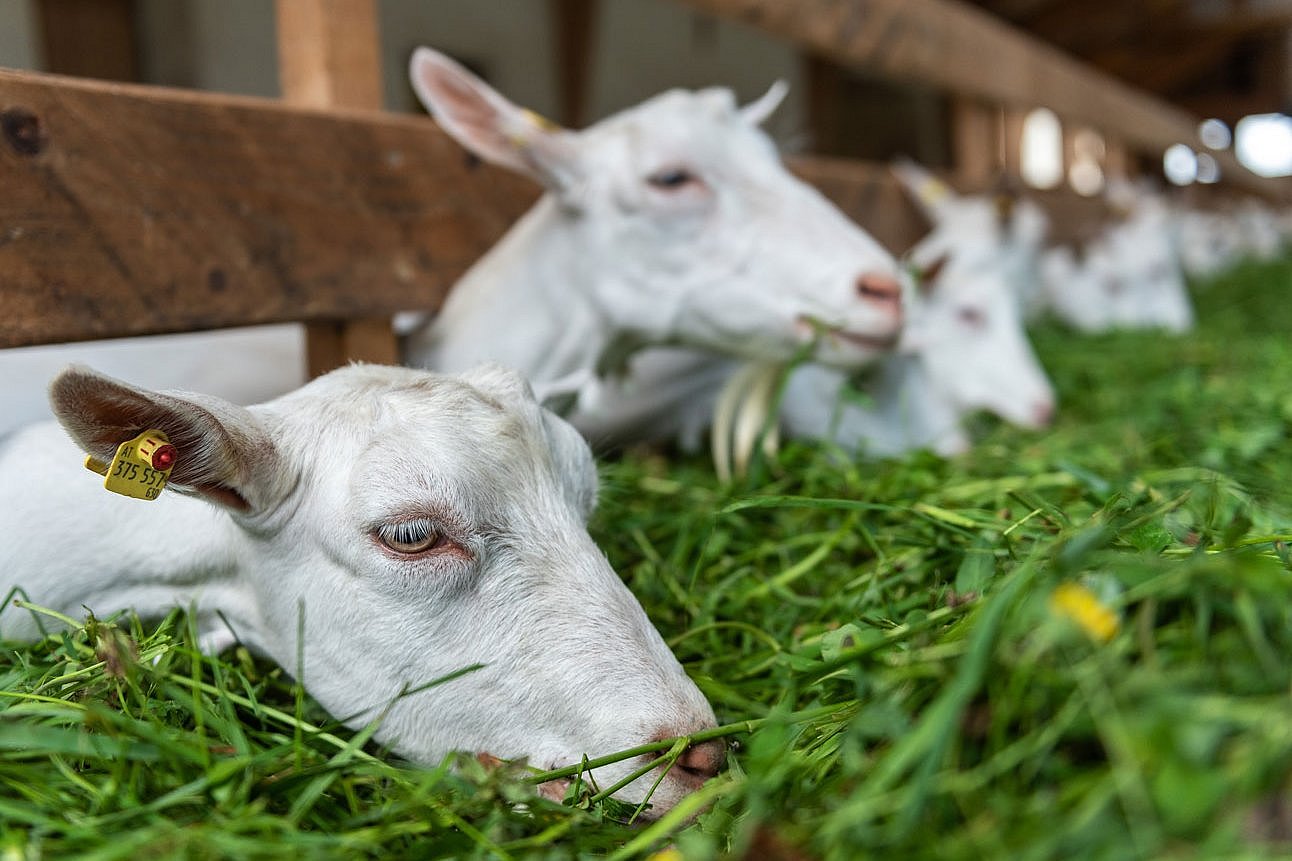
329 57
968 51
131 210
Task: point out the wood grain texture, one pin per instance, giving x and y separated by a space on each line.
329 53
967 51
975 140
130 210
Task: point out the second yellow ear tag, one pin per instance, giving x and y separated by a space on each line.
140 467
933 191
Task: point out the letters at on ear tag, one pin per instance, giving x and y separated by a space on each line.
140 467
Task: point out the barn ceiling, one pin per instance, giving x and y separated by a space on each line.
1223 58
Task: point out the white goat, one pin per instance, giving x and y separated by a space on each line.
963 347
1129 277
1005 228
1210 242
674 222
411 523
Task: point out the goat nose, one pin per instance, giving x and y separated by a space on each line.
1043 413
880 288
702 761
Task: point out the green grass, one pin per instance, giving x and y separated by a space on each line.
887 631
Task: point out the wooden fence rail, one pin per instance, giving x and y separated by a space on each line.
131 210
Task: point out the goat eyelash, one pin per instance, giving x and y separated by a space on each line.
410 537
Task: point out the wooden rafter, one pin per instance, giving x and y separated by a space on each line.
968 51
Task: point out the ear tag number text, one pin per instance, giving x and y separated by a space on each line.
140 467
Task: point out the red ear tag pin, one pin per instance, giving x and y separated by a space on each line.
140 467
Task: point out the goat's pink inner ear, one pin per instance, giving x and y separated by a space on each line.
928 276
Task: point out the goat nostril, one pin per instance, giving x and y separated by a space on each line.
704 759
1043 413
877 287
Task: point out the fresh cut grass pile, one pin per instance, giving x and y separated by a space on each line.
1069 644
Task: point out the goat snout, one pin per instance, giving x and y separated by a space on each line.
1043 413
699 762
880 289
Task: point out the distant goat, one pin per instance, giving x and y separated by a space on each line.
1129 276
412 524
963 347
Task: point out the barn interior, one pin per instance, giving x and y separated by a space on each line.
1062 642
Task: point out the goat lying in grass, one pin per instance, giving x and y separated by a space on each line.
404 524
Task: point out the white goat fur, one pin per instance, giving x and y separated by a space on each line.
284 508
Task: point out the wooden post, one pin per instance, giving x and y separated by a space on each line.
974 142
329 56
1117 160
574 24
1012 143
90 38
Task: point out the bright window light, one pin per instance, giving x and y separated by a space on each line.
1180 164
1208 169
1215 134
1042 149
1086 178
1263 143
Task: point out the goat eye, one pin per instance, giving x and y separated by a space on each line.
972 317
671 179
410 537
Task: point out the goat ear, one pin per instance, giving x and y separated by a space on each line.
758 112
927 275
930 194
224 454
487 124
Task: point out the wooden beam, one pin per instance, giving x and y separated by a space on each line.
975 141
968 51
329 56
132 210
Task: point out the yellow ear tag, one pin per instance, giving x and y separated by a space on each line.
539 121
519 137
934 191
140 467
